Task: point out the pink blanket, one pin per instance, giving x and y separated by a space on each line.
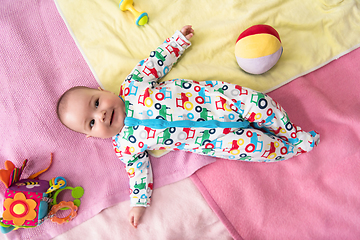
38 62
314 195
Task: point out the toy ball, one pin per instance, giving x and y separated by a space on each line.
258 49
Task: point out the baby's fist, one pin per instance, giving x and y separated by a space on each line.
135 215
187 31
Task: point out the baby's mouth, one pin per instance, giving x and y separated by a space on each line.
112 116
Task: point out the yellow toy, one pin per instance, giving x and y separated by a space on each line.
141 17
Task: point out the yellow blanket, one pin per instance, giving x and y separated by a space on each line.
313 32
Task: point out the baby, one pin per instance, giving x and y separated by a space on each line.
208 117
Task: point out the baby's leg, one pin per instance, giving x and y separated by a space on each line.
249 145
266 114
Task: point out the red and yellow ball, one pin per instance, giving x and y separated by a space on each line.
258 49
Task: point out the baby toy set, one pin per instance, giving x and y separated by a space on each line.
29 202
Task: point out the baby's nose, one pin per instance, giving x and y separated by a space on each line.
102 115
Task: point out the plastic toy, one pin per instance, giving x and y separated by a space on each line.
258 49
141 18
29 202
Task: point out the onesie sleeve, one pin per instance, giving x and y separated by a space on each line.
143 76
160 61
138 168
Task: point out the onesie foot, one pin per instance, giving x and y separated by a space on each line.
312 140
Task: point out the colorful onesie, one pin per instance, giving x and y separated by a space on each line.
208 117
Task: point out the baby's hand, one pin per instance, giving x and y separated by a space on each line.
135 215
187 31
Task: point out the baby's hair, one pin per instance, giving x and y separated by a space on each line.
60 107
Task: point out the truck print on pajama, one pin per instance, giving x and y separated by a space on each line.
206 117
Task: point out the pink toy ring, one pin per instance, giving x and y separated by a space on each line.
59 206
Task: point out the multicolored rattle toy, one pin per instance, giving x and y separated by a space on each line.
141 18
29 202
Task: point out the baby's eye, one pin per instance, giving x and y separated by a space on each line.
97 103
92 122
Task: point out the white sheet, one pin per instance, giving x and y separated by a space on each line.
191 218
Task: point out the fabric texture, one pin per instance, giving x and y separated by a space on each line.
174 215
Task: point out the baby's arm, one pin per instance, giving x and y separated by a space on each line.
160 61
141 184
138 167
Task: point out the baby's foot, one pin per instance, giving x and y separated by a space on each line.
311 140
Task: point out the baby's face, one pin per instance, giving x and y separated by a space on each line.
96 113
